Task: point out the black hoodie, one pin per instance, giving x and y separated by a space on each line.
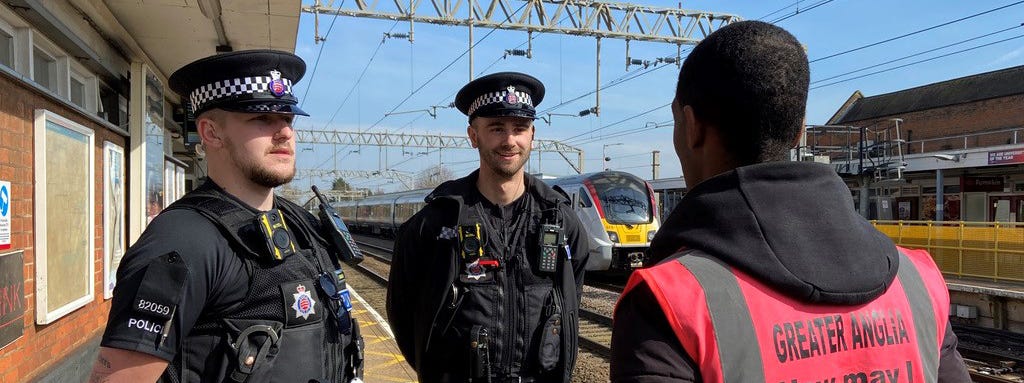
792 226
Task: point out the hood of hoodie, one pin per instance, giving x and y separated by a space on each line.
791 225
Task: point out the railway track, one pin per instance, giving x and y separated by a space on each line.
595 329
992 356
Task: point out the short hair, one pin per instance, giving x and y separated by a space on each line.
217 115
749 79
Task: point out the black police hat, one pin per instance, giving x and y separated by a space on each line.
504 94
253 81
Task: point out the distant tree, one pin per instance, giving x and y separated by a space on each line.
341 184
433 176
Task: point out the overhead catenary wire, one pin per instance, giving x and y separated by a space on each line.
917 62
358 79
799 11
316 63
915 32
569 139
432 78
779 10
622 133
916 54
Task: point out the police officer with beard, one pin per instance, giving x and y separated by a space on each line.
486 279
231 283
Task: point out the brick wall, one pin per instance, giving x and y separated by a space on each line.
40 347
954 120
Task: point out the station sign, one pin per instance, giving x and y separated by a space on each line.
5 215
1006 157
981 184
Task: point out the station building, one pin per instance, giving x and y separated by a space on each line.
966 134
92 146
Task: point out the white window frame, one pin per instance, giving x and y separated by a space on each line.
13 25
9 30
62 75
43 314
91 94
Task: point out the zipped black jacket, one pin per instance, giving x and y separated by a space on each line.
438 304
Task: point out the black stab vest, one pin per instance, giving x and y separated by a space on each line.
283 298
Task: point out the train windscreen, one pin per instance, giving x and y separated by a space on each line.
624 199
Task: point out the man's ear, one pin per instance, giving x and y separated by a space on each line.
695 130
209 132
472 135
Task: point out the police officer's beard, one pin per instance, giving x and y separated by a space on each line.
493 161
258 174
266 178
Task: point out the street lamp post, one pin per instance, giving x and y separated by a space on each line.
939 185
604 155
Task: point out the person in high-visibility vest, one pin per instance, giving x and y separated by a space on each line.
767 272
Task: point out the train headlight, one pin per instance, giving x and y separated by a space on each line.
650 235
613 236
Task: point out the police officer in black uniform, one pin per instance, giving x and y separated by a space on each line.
231 283
486 279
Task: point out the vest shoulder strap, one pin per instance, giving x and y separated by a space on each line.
227 215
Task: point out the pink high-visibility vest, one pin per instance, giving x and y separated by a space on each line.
737 329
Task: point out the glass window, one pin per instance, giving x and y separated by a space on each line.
77 92
6 49
44 69
624 199
584 198
154 128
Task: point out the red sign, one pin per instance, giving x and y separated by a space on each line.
12 297
1006 157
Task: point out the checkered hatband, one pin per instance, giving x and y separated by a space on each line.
234 87
500 96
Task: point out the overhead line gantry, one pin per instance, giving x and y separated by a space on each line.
437 141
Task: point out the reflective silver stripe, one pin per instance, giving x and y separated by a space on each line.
924 317
734 329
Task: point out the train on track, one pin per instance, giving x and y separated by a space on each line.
617 209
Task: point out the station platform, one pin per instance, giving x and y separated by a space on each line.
383 362
1010 290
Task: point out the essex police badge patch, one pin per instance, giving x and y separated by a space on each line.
277 86
510 95
304 305
475 273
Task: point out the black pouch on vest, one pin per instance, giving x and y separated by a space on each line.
354 352
480 363
253 345
551 336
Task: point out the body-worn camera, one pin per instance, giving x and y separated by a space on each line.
470 242
275 232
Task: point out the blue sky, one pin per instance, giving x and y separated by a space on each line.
566 65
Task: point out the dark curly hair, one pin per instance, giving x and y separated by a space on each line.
749 80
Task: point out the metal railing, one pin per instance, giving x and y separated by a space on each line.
991 250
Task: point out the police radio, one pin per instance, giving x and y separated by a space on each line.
275 232
469 239
550 240
337 232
